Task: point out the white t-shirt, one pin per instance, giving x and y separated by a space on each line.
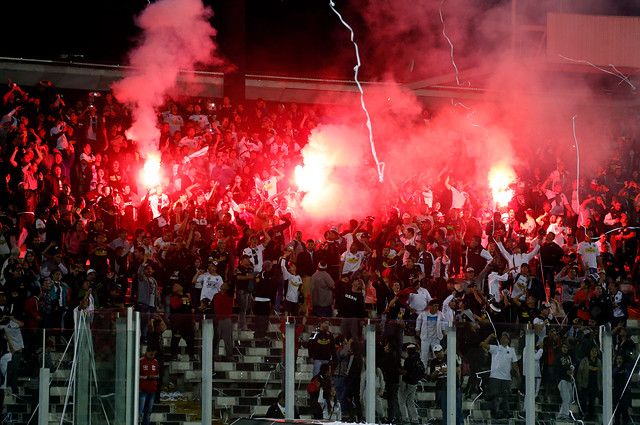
501 359
520 287
293 283
270 186
256 256
13 334
589 253
419 301
210 285
352 262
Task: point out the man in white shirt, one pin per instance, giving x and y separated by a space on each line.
13 336
521 283
517 259
208 282
429 328
589 255
351 260
503 361
255 251
157 201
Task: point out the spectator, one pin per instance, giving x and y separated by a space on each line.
503 361
322 287
321 346
149 376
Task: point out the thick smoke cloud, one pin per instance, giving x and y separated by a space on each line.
521 114
176 35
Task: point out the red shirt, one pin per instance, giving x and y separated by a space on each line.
223 305
581 298
148 375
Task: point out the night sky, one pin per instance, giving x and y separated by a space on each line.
283 37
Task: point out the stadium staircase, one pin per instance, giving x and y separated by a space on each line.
243 388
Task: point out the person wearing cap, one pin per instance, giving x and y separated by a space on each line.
412 371
321 295
503 361
542 320
438 374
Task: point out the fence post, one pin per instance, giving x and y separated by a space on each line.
290 369
207 371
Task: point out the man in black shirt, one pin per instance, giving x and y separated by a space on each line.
321 346
350 304
551 256
438 373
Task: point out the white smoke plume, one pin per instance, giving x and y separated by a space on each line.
176 35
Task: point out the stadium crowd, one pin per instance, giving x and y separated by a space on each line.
79 230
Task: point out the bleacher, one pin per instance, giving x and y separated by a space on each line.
246 387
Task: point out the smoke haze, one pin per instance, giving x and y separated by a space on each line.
520 114
176 35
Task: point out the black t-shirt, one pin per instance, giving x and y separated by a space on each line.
440 366
527 314
243 271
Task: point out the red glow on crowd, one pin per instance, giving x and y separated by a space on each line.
500 179
150 173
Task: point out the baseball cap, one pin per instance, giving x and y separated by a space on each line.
322 265
437 348
470 269
91 271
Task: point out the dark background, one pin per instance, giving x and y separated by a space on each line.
279 37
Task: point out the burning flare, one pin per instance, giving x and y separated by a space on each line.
500 179
150 173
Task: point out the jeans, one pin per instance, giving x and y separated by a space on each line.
261 326
224 329
442 400
500 390
316 366
321 311
340 383
279 292
243 299
350 328
146 311
407 396
145 406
